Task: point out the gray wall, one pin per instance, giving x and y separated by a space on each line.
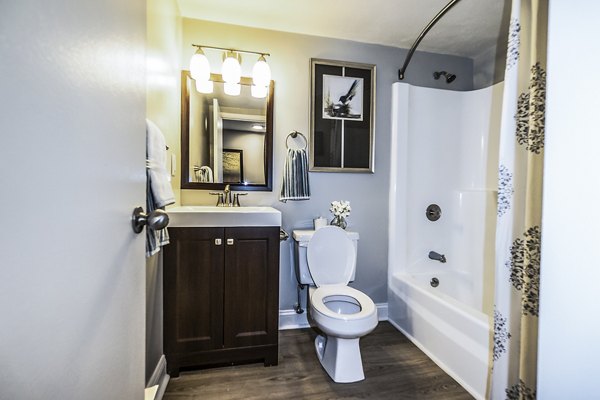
368 193
253 146
489 66
154 313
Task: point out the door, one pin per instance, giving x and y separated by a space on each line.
251 286
217 142
72 159
193 288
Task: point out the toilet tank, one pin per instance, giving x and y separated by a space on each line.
301 239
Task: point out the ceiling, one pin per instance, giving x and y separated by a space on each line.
469 29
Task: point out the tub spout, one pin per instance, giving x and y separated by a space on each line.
437 256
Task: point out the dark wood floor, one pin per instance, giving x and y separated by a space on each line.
394 369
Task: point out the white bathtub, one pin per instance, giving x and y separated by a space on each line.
454 335
458 285
444 151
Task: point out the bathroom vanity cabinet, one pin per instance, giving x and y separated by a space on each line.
221 296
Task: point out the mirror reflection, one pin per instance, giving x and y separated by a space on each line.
226 139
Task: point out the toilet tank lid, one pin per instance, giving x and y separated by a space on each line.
304 235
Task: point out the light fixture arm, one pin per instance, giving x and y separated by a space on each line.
201 46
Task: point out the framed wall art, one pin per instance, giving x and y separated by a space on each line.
342 116
233 166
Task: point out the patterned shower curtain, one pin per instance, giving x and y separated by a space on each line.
518 239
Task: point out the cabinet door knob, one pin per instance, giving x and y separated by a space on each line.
218 241
230 242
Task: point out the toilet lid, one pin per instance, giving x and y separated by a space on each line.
331 256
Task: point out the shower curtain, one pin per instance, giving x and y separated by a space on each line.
518 237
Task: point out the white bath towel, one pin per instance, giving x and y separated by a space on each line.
156 158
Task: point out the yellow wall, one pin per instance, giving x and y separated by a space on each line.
163 97
163 47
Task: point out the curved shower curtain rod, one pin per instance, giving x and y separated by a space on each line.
422 35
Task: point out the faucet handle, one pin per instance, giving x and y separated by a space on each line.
220 199
236 199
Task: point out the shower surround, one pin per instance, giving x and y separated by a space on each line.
445 152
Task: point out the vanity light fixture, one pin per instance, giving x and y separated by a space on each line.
261 77
231 71
259 92
199 66
232 89
204 86
200 71
257 127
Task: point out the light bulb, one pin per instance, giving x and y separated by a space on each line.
231 69
199 66
204 86
259 92
232 89
261 72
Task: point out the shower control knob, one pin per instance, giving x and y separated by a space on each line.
433 212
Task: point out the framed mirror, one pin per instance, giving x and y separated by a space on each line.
226 139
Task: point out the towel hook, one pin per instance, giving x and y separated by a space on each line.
293 135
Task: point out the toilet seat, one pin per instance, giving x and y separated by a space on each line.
331 257
367 306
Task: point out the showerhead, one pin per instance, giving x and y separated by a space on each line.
449 77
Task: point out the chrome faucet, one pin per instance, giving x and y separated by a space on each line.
437 256
227 198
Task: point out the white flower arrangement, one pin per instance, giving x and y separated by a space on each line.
340 208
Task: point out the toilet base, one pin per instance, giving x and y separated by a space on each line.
340 358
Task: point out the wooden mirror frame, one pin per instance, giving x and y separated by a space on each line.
185 142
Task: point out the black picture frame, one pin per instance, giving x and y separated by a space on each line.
342 116
233 166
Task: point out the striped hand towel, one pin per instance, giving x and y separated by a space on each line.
154 239
295 176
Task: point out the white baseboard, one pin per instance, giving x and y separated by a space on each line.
289 319
382 311
159 377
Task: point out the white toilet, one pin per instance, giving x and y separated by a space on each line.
326 258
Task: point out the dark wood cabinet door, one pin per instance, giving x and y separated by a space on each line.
193 290
251 286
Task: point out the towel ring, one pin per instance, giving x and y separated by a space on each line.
293 135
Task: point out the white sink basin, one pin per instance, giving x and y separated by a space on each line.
207 216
